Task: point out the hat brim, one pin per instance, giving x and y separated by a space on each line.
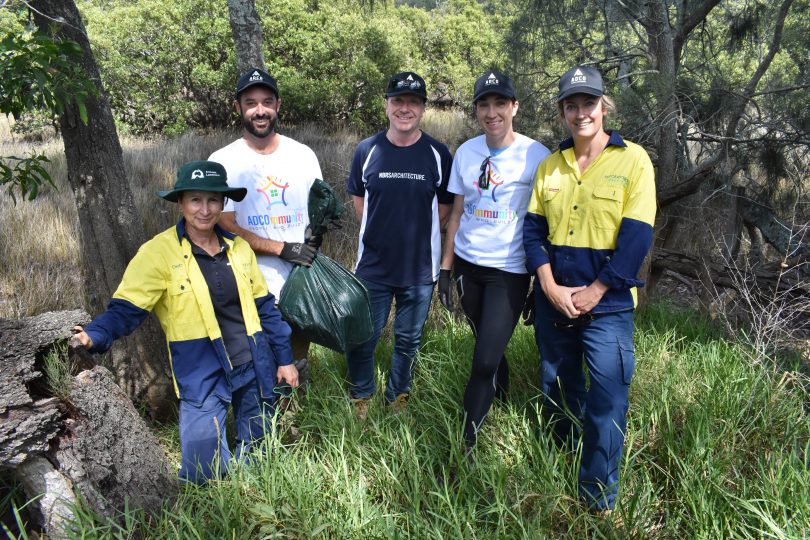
597 92
406 91
258 83
486 92
235 194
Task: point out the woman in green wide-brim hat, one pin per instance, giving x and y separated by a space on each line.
227 342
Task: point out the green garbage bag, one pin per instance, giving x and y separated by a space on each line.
324 207
327 304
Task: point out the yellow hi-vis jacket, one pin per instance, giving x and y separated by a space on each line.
164 277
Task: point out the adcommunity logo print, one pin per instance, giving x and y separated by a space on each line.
274 192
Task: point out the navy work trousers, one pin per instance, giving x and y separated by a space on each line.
203 443
605 344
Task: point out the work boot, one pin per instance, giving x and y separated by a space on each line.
361 408
400 403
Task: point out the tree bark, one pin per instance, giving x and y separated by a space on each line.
108 451
91 440
782 236
248 36
110 227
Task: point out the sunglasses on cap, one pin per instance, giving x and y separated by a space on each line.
483 178
413 85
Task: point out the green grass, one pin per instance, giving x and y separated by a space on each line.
716 448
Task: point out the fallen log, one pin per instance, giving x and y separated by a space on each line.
763 277
89 440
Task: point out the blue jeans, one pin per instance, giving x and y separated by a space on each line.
412 306
606 345
203 443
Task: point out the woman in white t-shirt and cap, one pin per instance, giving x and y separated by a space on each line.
492 179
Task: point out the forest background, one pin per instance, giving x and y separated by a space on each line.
718 94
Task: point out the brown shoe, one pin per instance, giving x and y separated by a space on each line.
400 403
361 408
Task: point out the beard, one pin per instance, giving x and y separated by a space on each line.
247 123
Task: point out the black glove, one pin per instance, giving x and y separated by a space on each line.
445 289
315 241
528 309
298 253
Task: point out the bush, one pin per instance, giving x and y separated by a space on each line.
170 66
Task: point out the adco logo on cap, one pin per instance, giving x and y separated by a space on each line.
578 77
256 77
492 79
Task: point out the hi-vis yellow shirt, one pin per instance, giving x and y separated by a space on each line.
596 224
164 277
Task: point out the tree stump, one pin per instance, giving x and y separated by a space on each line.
91 440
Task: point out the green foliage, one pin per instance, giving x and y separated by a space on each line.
458 41
716 448
26 175
37 73
166 66
170 66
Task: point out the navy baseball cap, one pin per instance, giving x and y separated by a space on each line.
581 80
493 82
255 77
406 82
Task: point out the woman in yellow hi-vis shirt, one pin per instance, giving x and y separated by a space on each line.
228 345
588 229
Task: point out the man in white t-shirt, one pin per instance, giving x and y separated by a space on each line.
278 173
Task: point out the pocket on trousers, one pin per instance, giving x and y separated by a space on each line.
627 361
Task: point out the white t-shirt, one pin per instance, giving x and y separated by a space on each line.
491 229
275 206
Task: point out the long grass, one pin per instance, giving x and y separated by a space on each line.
716 448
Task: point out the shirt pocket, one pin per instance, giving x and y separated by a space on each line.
608 203
552 205
185 319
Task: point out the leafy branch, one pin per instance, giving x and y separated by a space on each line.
27 175
38 73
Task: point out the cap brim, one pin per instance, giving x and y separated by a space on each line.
502 93
406 91
580 90
235 194
258 83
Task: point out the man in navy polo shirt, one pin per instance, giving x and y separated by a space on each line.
398 183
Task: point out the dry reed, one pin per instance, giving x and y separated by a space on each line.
38 239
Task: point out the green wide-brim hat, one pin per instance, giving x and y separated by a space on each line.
202 175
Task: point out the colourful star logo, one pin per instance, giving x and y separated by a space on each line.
274 192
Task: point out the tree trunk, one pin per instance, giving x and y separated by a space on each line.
110 227
247 34
782 236
89 438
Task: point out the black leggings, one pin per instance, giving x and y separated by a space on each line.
492 301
